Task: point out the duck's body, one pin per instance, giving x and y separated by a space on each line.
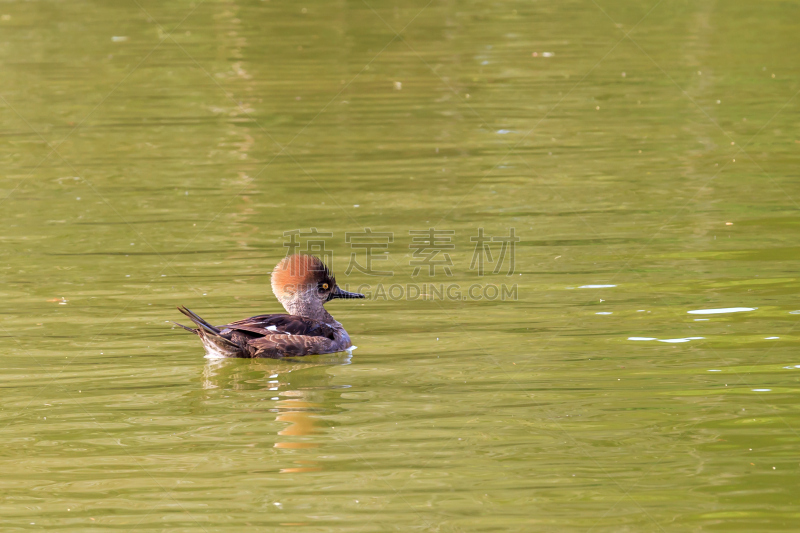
302 284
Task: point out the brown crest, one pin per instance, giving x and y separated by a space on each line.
299 272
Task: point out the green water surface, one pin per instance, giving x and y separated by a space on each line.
645 153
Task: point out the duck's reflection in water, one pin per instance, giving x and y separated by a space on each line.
296 387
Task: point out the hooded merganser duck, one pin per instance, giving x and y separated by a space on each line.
302 283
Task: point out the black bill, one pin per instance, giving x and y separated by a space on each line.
339 293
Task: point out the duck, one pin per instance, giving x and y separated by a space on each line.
302 284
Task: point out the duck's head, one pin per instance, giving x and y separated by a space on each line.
303 283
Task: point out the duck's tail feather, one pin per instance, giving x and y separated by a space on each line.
205 326
187 328
207 332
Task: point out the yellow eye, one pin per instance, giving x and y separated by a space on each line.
324 285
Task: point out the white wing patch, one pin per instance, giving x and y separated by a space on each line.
275 329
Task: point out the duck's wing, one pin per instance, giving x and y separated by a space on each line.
283 326
282 345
